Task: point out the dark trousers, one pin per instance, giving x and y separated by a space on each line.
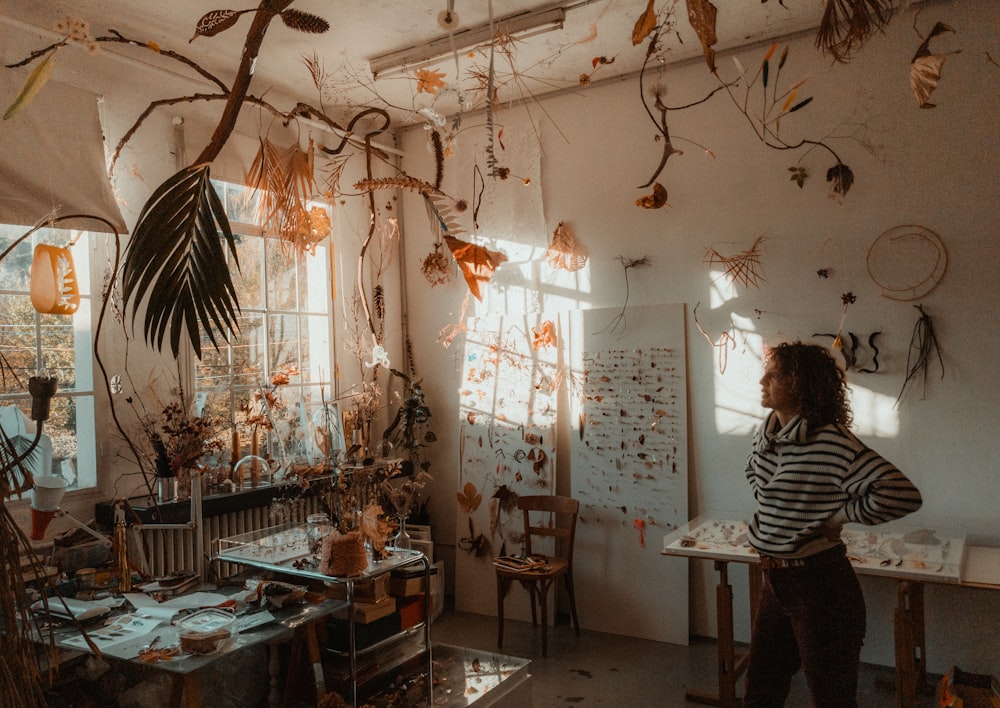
811 617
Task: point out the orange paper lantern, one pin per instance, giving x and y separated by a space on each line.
54 288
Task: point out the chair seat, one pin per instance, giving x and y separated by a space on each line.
553 568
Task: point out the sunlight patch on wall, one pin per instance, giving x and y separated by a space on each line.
874 413
737 391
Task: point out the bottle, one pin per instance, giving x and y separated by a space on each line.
318 527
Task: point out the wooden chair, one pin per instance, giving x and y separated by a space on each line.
555 518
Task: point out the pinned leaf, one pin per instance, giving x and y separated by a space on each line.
645 24
701 15
469 499
36 80
477 262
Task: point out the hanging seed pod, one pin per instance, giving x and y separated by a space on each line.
304 22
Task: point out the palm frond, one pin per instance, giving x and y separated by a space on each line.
175 264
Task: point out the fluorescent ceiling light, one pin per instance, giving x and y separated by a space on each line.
521 26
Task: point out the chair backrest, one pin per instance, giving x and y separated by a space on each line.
555 518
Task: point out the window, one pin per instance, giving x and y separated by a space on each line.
60 344
285 323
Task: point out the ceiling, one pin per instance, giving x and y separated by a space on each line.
363 29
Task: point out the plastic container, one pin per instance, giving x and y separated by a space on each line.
206 631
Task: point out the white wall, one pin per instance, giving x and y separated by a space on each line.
934 168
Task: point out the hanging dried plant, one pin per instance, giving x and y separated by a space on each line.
285 183
656 200
742 268
925 68
477 263
848 24
436 267
619 320
923 345
304 22
410 184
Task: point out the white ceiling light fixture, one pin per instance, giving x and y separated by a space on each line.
520 26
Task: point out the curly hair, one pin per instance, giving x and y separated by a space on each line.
815 382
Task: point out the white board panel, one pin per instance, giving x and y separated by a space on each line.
628 438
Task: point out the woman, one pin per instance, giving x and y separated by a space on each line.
809 475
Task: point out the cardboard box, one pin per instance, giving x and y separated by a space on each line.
371 590
368 612
408 581
959 689
411 611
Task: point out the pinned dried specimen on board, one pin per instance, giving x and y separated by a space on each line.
925 68
848 24
477 263
742 268
563 252
469 499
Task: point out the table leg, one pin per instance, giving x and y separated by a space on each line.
908 627
731 667
185 685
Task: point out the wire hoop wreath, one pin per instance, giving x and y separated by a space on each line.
907 262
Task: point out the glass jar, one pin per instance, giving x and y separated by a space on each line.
318 527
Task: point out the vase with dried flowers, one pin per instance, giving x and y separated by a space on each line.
179 440
402 495
262 415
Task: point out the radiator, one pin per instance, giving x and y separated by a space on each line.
177 548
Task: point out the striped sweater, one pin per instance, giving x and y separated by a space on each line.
802 478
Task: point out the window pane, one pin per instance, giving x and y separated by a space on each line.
283 341
248 352
58 349
15 267
314 281
282 279
249 280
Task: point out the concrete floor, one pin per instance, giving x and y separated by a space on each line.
597 669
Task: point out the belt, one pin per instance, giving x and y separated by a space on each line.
831 555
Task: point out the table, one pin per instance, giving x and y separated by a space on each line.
281 549
292 623
910 556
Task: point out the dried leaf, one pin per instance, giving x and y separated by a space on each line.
214 22
644 25
469 499
36 80
429 80
925 68
477 262
655 200
563 252
701 15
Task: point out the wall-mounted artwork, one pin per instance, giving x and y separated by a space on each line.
628 468
508 408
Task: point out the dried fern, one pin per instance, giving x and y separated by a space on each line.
410 184
848 24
